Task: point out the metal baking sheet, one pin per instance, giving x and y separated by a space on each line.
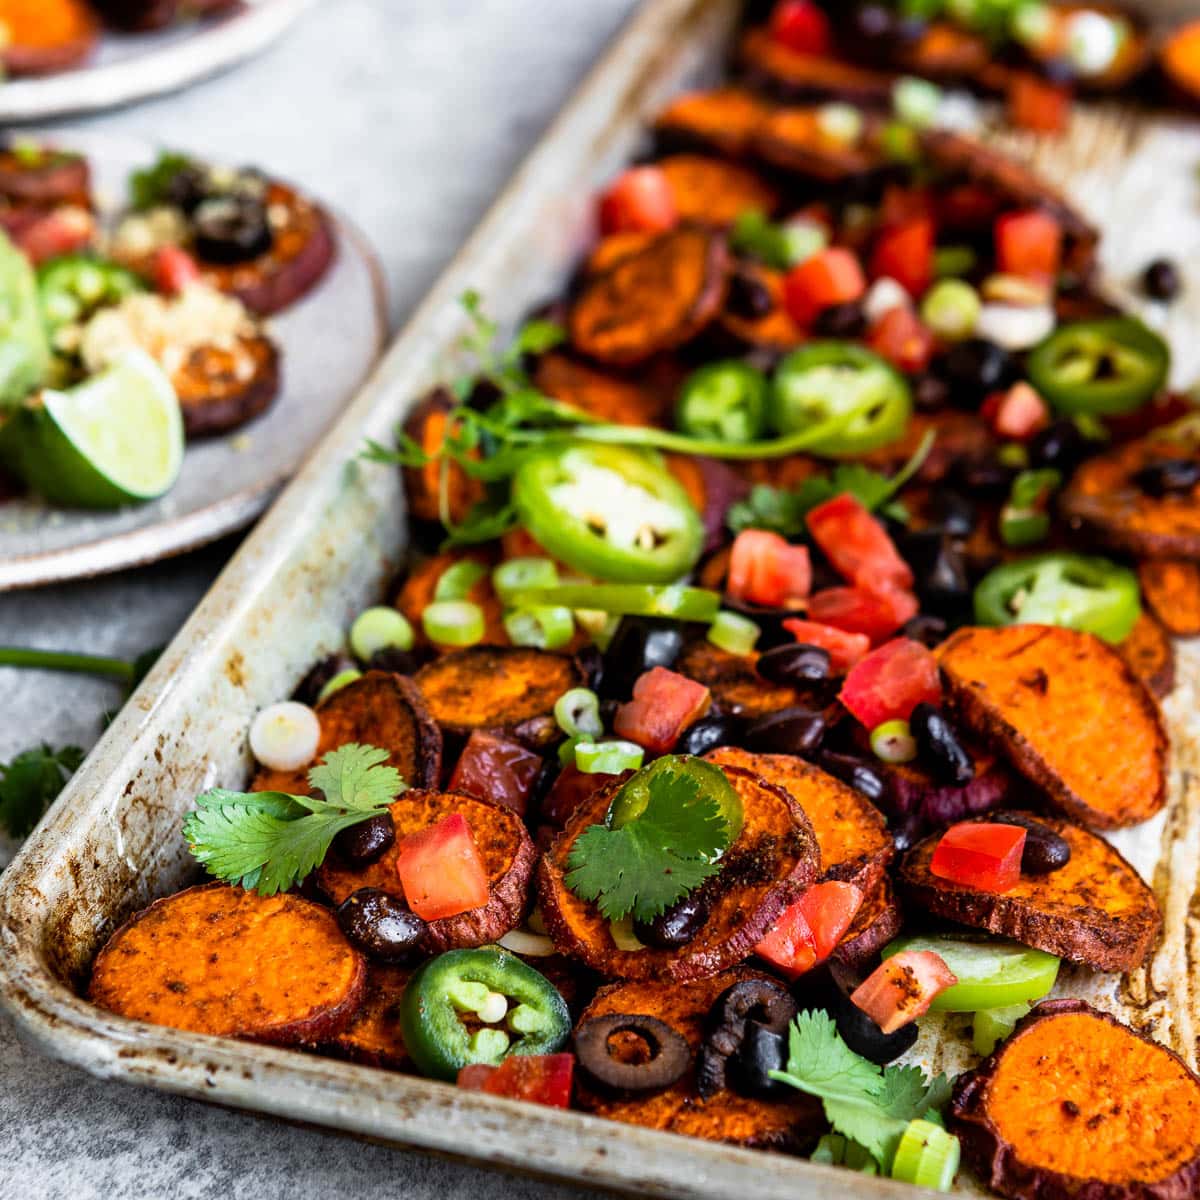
327 548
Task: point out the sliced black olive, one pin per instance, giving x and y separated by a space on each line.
792 730
860 775
759 1002
939 747
952 512
677 926
1045 851
669 1054
1168 477
638 644
319 674
231 229
1161 280
749 297
1060 445
939 568
368 841
762 1051
840 321
187 188
381 925
796 665
707 734
975 368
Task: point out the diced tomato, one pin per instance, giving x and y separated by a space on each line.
855 610
902 988
980 854
664 704
857 545
63 230
766 569
569 791
497 768
967 207
801 26
536 1078
1036 104
440 869
809 930
903 204
903 339
891 681
639 201
1029 243
904 252
174 269
844 649
1016 414
832 276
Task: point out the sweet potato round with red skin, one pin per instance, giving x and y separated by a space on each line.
723 119
876 923
47 36
58 177
1150 653
504 846
851 833
737 688
220 388
374 1036
774 859
303 248
711 191
379 709
653 300
1171 589
1067 712
787 1125
1076 1106
1095 910
222 960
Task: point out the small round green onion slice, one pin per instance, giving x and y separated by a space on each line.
543 626
893 742
566 751
992 1025
284 736
628 599
339 681
734 633
453 622
519 573
456 582
608 758
951 309
578 713
916 101
841 123
927 1156
380 628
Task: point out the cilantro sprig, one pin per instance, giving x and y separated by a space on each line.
31 783
654 860
269 841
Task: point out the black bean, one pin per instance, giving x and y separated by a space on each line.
1060 445
797 665
187 188
749 297
982 476
927 629
1168 477
368 841
975 368
952 512
392 658
638 644
792 730
677 926
381 925
231 229
1161 280
1045 851
840 321
708 734
939 747
939 568
930 393
860 775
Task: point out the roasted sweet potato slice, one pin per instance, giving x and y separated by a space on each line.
723 119
1103 498
788 1125
711 191
504 846
373 1035
1179 58
851 834
302 250
791 139
222 960
737 688
45 36
791 75
773 860
222 387
1171 587
602 394
957 436
613 247
429 424
1095 910
876 923
946 52
1066 710
775 331
417 592
1076 1104
55 177
1149 651
652 300
495 687
380 709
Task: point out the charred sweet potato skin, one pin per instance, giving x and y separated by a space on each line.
724 1117
1171 587
876 923
380 709
1151 655
220 388
374 1036
851 833
1076 1106
772 862
1095 910
1067 712
723 120
711 191
504 846
221 960
737 688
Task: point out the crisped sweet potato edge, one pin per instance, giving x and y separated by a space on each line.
1171 589
1150 654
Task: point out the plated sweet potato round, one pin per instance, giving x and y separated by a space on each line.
221 387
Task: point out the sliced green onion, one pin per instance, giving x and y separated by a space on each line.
338 682
893 742
578 713
1032 488
950 308
801 239
566 751
916 101
623 936
900 143
841 123
949 261
1031 23
519 573
992 1025
608 758
733 632
628 599
380 628
838 1151
1023 526
456 581
453 622
542 626
598 625
927 1156
1013 455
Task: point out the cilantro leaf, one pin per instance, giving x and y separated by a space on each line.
149 186
31 783
354 777
649 863
820 1063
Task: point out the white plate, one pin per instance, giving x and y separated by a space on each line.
329 342
129 67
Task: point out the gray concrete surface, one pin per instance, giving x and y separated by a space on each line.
409 115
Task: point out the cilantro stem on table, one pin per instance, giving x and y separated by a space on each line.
127 671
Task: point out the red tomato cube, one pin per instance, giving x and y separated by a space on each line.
1019 413
902 988
857 545
639 201
766 569
808 931
1036 104
42 235
980 854
790 946
903 339
800 25
904 253
664 704
1029 243
890 682
844 649
856 610
440 870
497 768
832 276
174 269
535 1078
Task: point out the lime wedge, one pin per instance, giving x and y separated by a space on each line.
115 439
